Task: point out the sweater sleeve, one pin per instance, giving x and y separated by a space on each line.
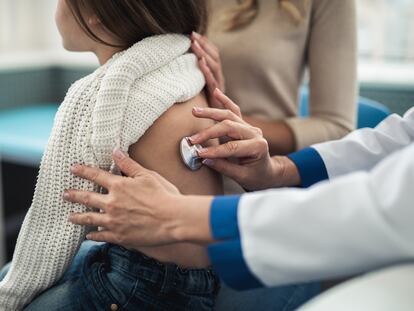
47 241
332 59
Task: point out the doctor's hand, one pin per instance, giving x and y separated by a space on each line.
210 64
140 209
254 168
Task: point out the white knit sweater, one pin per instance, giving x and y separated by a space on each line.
112 107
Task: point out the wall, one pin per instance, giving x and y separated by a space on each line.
28 25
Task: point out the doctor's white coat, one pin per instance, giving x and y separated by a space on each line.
361 219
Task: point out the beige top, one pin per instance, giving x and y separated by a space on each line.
264 65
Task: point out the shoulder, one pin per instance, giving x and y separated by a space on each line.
81 83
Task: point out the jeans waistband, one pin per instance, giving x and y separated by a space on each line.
167 276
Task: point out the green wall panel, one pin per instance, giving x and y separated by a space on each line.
32 86
398 98
45 85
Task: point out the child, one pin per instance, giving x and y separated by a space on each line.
127 103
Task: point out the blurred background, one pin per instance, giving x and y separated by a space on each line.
35 71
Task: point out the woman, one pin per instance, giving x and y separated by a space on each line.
146 85
259 52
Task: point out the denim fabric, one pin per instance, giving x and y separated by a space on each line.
70 294
282 298
110 277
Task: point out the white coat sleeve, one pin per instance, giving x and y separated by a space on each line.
356 223
364 148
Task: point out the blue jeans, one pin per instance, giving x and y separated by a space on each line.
109 277
283 298
59 296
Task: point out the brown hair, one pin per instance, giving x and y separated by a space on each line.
247 10
133 20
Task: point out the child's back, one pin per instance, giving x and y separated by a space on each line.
158 150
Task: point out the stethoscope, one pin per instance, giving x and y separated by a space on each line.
189 154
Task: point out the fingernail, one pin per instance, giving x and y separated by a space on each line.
66 195
197 44
88 236
196 34
71 217
194 137
208 162
75 168
202 151
198 109
118 154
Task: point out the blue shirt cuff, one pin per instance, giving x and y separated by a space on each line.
227 260
223 217
310 165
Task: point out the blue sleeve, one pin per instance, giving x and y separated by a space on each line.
310 165
223 217
228 261
227 256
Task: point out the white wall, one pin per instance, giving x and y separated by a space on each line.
28 36
386 27
28 25
386 30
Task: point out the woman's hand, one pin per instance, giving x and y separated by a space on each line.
142 209
255 169
210 64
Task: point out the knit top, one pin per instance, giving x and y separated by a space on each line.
264 65
112 107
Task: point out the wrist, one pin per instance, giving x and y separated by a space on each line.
192 221
284 172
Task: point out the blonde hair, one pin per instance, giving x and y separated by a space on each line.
247 10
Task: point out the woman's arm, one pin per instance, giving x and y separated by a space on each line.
332 60
279 135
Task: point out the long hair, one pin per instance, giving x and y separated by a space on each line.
247 10
133 20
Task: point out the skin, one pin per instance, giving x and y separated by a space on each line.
278 134
145 209
76 40
157 150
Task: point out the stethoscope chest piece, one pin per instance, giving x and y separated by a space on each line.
189 154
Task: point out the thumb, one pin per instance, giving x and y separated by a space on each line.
127 166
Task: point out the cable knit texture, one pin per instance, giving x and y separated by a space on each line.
112 107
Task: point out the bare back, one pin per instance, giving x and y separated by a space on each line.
158 150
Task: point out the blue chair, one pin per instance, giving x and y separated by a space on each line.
24 133
370 113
